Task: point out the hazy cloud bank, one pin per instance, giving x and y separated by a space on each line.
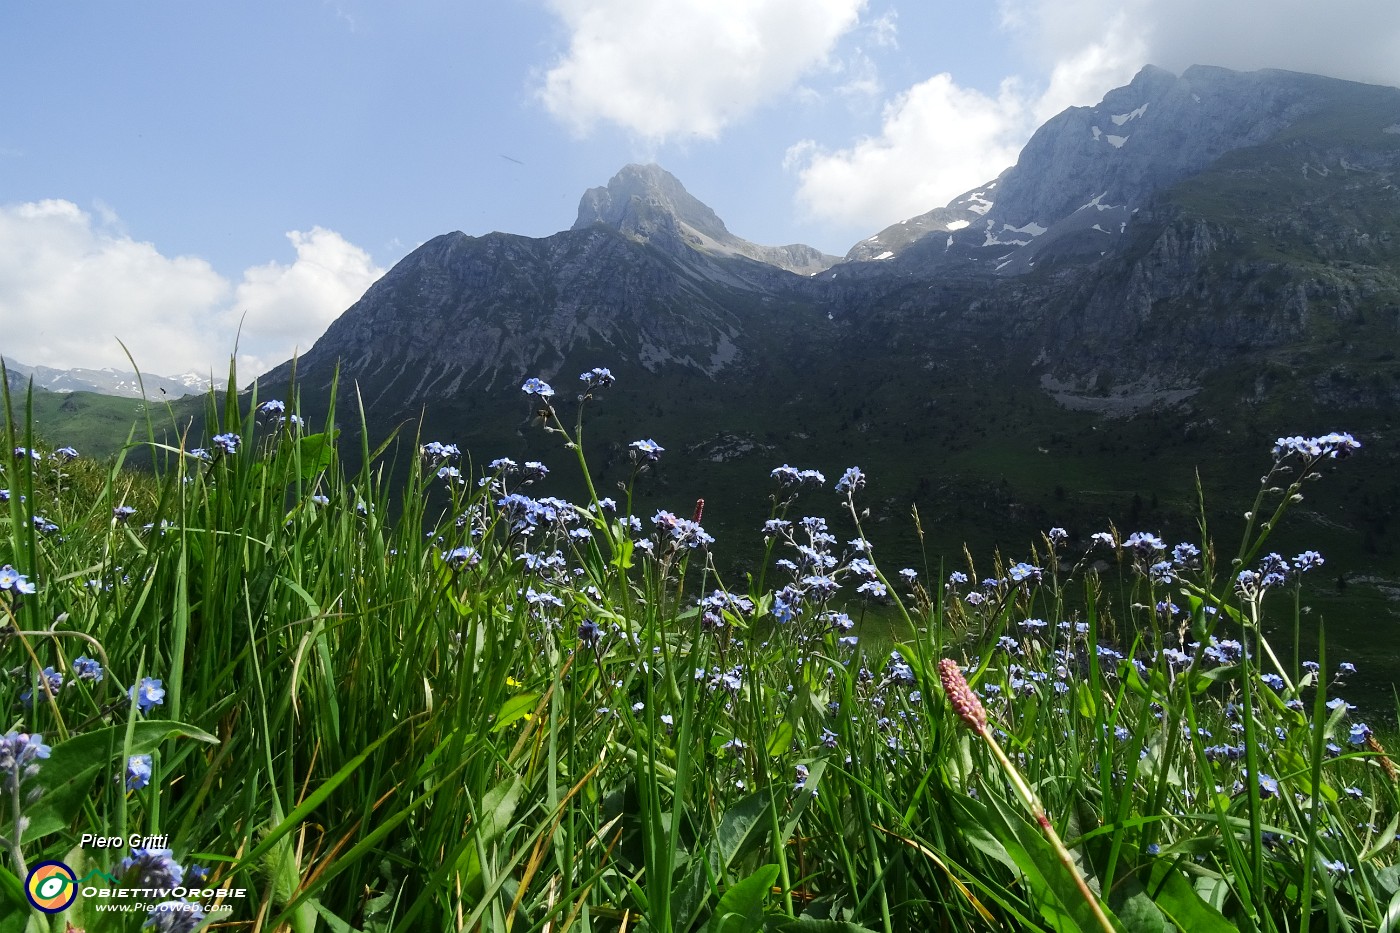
82 283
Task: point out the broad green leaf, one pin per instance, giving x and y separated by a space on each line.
1133 680
1382 840
1391 918
1056 893
1179 900
14 906
66 777
1388 879
741 825
497 808
1205 679
1134 907
623 558
492 820
781 738
317 452
740 908
336 924
520 706
814 776
974 828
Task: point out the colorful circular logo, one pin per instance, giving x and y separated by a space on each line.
51 887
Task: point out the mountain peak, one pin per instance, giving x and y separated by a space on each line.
642 198
1086 172
648 203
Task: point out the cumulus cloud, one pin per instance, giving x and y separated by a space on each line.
937 141
667 68
1089 68
70 288
937 138
284 308
72 285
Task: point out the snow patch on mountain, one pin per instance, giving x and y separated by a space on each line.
1030 232
1120 118
979 203
1097 204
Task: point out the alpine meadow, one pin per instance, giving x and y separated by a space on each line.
1033 566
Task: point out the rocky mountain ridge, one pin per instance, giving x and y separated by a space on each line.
1249 283
109 381
650 204
1135 248
1083 175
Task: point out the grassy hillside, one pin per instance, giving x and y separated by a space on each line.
986 462
101 426
546 714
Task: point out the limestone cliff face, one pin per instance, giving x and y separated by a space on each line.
648 203
471 313
1085 174
1186 226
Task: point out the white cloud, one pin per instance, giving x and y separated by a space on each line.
284 309
666 68
1358 40
1093 67
938 138
860 78
937 141
69 289
72 286
884 29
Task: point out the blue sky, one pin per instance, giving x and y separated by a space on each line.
172 167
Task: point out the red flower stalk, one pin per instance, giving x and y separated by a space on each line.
965 702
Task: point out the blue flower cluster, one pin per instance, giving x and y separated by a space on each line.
138 772
158 869
1333 446
147 695
12 581
791 476
680 532
20 754
596 378
646 451
226 444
